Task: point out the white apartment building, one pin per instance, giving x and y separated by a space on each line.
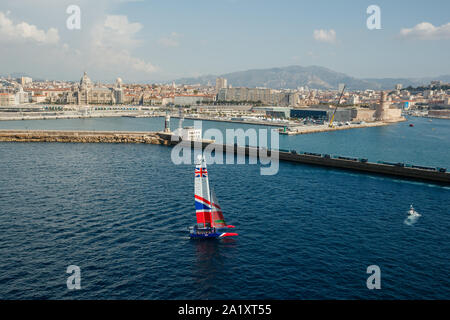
221 83
7 99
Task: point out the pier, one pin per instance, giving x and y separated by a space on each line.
399 170
295 130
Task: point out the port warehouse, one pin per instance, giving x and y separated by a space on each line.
314 112
341 115
325 114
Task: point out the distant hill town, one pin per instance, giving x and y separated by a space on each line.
314 77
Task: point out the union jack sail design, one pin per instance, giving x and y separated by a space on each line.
202 194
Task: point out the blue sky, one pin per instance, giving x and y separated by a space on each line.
163 40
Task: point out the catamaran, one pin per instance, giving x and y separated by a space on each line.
210 220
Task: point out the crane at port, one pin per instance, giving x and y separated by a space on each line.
334 113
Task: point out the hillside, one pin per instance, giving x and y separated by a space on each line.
314 77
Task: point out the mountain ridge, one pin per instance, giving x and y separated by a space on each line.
315 77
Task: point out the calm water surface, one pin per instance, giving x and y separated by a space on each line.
120 212
427 143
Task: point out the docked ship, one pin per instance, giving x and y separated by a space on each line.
210 220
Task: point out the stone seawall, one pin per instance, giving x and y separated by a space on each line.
80 136
404 172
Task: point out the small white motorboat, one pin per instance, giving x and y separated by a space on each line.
412 212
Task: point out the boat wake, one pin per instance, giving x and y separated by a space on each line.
411 220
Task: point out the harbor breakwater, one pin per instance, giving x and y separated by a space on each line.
361 165
295 130
400 170
80 136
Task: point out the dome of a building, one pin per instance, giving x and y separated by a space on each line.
119 83
85 81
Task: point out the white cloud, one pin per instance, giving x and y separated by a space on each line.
426 31
327 36
25 31
171 40
113 42
120 25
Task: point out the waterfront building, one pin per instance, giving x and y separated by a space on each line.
325 113
192 100
304 113
7 99
118 95
274 112
190 133
382 107
221 83
384 112
445 114
257 95
87 93
22 96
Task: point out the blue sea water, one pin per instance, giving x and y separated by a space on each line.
426 144
121 211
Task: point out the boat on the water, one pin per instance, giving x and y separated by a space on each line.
210 220
412 212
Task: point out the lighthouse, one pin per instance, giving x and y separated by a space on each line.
167 123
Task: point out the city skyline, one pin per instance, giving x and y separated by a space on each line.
146 41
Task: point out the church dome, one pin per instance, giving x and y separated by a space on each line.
85 81
119 83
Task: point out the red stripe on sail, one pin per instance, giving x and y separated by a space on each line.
200 218
202 199
204 217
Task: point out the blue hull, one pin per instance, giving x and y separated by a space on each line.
205 235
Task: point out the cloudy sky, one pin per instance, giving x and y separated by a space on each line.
152 40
